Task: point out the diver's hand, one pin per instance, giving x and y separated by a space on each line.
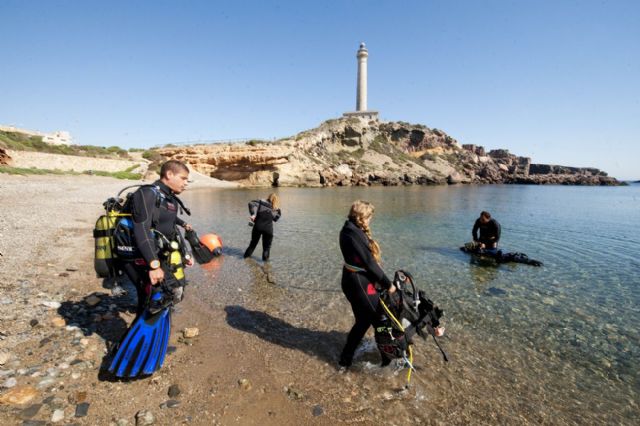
188 227
482 246
438 331
156 276
392 289
188 261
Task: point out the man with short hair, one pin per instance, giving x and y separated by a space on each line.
486 232
157 256
155 207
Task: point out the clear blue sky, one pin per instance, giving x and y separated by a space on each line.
558 81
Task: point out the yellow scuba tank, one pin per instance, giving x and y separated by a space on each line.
103 235
105 255
175 260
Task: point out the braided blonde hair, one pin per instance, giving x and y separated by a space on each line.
360 214
274 200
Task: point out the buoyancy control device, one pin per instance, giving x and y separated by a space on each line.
114 237
405 313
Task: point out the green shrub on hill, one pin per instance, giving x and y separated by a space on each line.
33 171
126 174
118 175
21 142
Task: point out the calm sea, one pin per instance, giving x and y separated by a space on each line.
559 344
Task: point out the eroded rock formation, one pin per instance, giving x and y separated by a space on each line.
357 151
5 159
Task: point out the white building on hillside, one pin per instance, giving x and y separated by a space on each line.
57 138
54 138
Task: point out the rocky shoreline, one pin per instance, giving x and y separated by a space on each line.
355 151
58 323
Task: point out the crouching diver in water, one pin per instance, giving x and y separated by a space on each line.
361 275
486 234
155 266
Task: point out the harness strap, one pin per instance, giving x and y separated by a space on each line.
352 268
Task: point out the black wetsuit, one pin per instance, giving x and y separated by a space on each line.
265 215
152 207
359 286
489 232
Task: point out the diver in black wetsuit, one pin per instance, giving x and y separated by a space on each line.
263 214
361 275
489 232
156 207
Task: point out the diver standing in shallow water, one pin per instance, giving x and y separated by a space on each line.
361 274
263 214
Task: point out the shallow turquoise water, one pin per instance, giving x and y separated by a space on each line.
557 344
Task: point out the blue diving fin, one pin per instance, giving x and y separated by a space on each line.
144 347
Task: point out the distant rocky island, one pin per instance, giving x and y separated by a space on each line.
358 151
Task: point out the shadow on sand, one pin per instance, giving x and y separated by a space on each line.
100 313
324 345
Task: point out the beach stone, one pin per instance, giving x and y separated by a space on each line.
244 384
30 412
34 423
58 322
82 409
172 403
174 391
19 395
4 357
33 322
44 383
77 397
9 383
190 332
92 300
317 411
63 274
55 402
51 304
144 418
58 415
294 394
71 269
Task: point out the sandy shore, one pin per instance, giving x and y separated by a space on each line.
58 321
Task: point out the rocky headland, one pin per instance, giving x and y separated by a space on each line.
358 151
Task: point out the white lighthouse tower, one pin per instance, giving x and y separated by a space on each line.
361 91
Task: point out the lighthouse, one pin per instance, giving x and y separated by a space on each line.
361 95
361 88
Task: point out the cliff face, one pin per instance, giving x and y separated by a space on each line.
5 159
355 151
